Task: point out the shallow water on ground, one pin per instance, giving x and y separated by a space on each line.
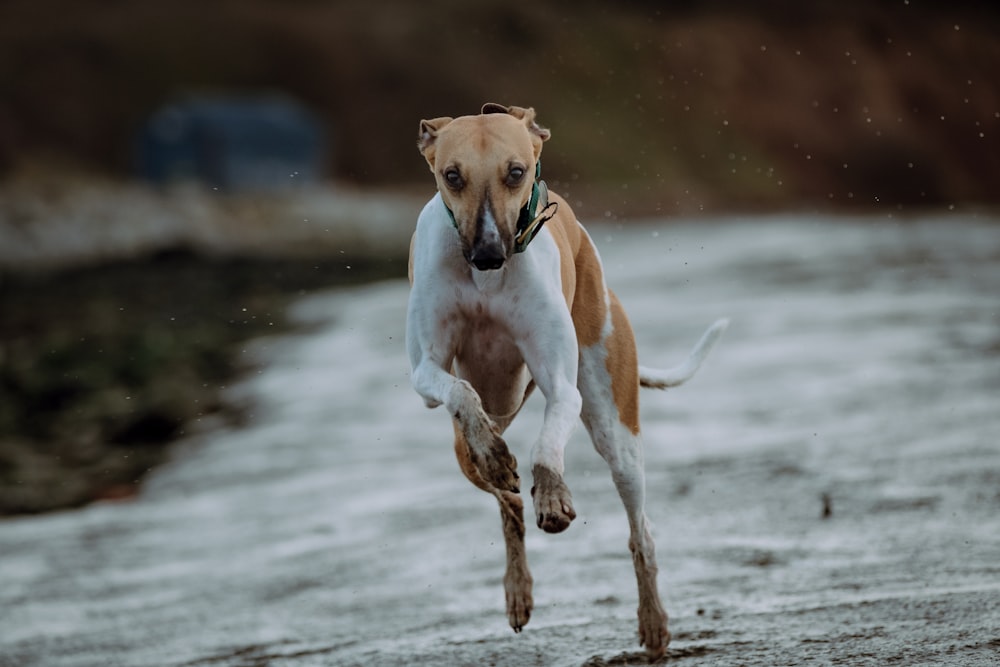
860 376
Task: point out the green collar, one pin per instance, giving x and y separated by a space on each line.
533 215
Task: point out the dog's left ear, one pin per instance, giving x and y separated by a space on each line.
427 137
493 107
526 114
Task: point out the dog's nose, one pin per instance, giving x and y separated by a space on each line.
487 261
488 264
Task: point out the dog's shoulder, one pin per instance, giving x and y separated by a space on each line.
565 228
581 271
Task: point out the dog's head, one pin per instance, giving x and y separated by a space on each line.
485 168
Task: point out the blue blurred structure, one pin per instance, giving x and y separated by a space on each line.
264 143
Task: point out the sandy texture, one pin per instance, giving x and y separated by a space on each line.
826 490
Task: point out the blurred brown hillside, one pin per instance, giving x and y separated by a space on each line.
665 106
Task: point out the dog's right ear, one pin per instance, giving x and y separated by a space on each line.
427 137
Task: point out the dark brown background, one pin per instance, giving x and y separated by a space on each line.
699 106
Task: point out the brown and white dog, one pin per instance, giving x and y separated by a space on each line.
491 317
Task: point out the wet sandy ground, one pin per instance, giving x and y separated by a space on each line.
860 376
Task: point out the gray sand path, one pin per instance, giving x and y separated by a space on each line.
861 372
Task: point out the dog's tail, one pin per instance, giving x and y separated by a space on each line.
661 379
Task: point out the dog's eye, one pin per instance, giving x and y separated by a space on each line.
453 178
515 175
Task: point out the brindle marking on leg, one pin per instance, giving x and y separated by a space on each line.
653 632
499 466
517 581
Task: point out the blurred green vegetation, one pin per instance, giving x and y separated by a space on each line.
102 367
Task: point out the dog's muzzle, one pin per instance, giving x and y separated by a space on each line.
487 258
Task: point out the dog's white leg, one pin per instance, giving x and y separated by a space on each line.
550 351
552 499
624 456
609 385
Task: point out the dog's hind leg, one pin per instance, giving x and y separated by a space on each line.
609 385
517 580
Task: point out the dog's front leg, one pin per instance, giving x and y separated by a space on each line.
552 356
488 451
487 448
433 329
482 454
552 499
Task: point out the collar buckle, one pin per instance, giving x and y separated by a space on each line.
535 213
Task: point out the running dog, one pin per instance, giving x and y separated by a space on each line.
508 294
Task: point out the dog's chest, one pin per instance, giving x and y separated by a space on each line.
483 326
485 338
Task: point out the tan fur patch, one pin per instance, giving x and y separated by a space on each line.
464 457
590 308
566 232
583 281
623 366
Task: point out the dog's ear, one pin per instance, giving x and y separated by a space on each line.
537 132
493 107
526 114
427 137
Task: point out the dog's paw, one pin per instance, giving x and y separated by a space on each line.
553 501
497 465
487 449
653 633
517 588
502 467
